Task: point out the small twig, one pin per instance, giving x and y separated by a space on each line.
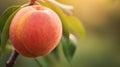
12 59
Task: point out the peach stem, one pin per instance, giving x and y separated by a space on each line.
32 2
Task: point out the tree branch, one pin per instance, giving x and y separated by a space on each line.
12 59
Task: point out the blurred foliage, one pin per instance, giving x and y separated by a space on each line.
101 48
5 21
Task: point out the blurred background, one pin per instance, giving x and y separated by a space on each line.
101 19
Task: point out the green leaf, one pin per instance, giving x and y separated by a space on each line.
69 23
5 31
55 52
75 26
68 48
38 62
5 16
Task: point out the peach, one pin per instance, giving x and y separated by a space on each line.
35 31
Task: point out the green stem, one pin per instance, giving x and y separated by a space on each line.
37 61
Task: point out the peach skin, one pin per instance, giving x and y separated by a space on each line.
35 31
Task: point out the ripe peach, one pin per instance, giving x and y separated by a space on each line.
35 31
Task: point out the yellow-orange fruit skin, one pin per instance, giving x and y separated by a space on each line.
35 31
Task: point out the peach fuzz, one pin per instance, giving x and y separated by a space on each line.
35 31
